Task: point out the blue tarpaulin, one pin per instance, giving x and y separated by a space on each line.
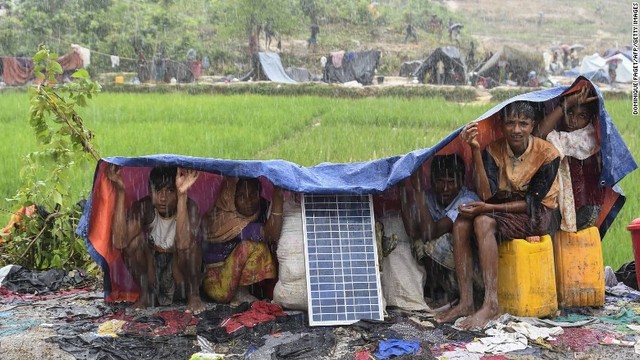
373 177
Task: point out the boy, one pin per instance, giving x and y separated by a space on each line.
157 236
515 176
430 224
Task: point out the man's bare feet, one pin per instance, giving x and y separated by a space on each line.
141 303
455 312
480 318
195 305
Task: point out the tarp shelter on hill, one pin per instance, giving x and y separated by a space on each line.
610 52
595 62
409 67
299 74
163 70
455 68
267 66
358 66
598 76
519 64
378 177
18 71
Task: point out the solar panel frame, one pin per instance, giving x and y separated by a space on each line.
341 259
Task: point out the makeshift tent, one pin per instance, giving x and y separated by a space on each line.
610 52
455 68
598 76
595 62
519 64
165 69
18 71
409 67
267 66
358 66
299 74
377 177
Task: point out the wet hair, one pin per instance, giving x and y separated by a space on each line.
520 108
447 165
162 176
249 180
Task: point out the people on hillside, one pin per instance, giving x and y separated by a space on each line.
502 69
428 213
157 236
515 178
612 68
570 127
435 25
450 28
532 79
440 71
471 55
313 39
411 33
237 233
268 35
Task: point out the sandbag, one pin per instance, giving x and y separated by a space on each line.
402 278
290 291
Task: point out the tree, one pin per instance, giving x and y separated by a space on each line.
48 239
249 16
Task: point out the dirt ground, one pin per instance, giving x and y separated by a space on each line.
27 322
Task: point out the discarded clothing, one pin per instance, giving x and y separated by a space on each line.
21 280
396 347
260 312
310 346
498 342
162 324
127 347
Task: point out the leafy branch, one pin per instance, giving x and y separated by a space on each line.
47 239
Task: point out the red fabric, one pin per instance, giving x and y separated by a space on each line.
70 61
14 72
363 355
176 322
587 191
7 296
260 312
196 69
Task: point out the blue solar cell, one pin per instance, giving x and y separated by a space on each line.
341 259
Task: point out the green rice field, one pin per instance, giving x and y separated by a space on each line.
305 129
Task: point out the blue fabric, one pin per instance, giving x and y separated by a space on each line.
379 175
395 347
372 176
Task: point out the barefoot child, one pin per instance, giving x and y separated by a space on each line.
515 176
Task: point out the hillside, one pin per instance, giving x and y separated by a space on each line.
533 26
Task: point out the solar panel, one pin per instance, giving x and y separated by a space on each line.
343 280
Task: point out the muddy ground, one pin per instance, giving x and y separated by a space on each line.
30 325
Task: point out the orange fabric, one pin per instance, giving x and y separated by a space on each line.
16 221
123 288
70 61
13 73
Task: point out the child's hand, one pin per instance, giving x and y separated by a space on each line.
470 135
185 179
114 173
581 97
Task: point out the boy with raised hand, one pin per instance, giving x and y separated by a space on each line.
516 178
158 237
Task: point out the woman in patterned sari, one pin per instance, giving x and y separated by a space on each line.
237 230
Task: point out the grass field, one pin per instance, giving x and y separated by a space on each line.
306 130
